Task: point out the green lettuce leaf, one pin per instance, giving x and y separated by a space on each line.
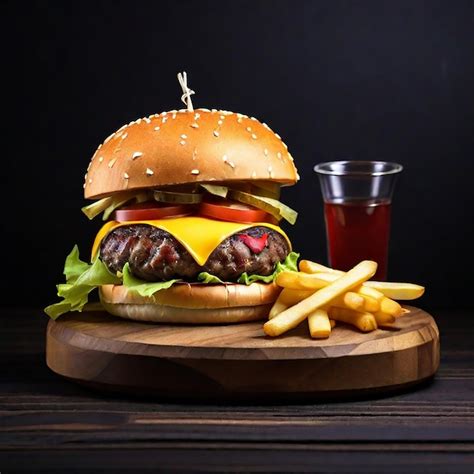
74 267
81 279
205 277
143 288
289 264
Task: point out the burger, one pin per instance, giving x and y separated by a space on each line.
192 211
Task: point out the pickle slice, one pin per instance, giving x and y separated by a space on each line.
266 189
220 191
108 204
270 205
177 198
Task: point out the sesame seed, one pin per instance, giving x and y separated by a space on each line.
297 176
249 129
182 142
220 122
112 162
278 136
196 115
157 128
163 113
124 136
239 120
230 163
290 157
164 119
147 120
90 180
173 111
265 152
101 159
126 176
183 136
149 172
213 111
279 155
270 169
204 110
253 118
195 171
89 165
285 145
84 185
109 137
138 121
121 128
266 126
216 133
194 125
222 117
99 147
224 158
174 115
254 136
85 176
136 155
254 174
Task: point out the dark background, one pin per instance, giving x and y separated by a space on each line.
337 80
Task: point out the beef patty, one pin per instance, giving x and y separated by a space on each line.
155 255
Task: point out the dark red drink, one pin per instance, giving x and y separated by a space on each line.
358 230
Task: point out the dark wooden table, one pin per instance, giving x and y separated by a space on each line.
51 425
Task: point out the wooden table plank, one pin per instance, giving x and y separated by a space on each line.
55 424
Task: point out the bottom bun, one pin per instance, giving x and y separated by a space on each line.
192 303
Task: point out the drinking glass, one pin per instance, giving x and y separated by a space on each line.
357 200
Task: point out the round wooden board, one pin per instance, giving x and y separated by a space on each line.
238 361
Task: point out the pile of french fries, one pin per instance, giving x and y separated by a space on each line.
323 296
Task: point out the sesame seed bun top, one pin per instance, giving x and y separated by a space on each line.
181 147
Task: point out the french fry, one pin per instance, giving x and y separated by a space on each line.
391 307
319 324
277 308
290 296
383 318
312 267
366 322
393 290
370 292
371 305
294 315
349 300
299 281
397 291
387 305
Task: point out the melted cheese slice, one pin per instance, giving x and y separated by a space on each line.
200 236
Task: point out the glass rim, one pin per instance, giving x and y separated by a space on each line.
394 168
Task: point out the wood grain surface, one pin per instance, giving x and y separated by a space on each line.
48 424
239 361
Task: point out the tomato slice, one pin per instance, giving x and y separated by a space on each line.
150 210
234 211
